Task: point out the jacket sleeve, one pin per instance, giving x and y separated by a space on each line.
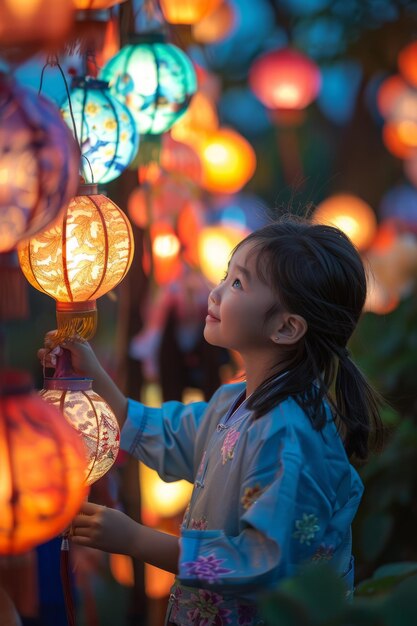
164 438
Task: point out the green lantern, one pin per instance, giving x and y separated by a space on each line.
154 79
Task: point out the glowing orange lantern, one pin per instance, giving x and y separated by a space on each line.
390 90
165 252
39 162
121 567
285 79
186 11
200 119
215 244
80 258
90 416
164 499
352 215
180 159
216 25
407 63
42 465
400 138
228 161
139 206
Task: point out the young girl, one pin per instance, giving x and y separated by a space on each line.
268 457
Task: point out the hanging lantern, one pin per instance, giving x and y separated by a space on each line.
407 60
106 130
28 26
352 215
111 42
90 416
175 158
199 120
216 25
389 91
215 245
166 249
80 258
400 138
228 161
38 163
187 11
42 465
285 79
154 79
163 499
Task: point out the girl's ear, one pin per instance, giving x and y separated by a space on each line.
289 329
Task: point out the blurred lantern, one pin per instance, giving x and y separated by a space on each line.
180 159
29 26
42 465
80 258
121 567
240 108
352 215
89 415
285 79
216 25
81 5
154 79
200 119
105 129
400 138
38 163
340 85
164 499
166 247
388 94
111 42
139 205
189 224
399 205
228 161
215 244
186 11
378 299
407 63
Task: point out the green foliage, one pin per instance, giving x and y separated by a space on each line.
317 597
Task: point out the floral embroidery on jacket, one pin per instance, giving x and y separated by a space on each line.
176 601
229 444
206 609
250 495
199 524
306 528
206 568
323 553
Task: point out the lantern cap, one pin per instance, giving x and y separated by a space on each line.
70 383
86 305
15 382
88 82
138 38
85 189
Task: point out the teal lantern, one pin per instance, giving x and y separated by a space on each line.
154 79
105 129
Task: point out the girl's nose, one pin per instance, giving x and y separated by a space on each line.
213 295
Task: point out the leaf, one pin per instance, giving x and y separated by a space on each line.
376 530
400 608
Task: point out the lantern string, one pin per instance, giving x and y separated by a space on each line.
89 165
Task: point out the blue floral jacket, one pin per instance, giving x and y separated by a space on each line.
269 495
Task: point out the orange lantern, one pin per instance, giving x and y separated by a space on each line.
228 161
216 25
42 465
200 119
39 162
390 90
90 416
121 567
285 79
166 249
180 159
139 205
80 258
400 138
186 11
407 63
215 244
352 215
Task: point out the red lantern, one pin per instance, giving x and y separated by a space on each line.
42 465
389 92
39 162
285 79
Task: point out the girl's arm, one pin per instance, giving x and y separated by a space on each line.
112 531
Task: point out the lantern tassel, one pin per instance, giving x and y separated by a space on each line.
66 582
75 318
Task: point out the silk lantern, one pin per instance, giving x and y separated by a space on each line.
38 163
285 79
42 465
352 215
105 129
228 161
186 11
154 79
80 258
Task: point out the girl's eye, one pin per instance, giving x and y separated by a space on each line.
236 283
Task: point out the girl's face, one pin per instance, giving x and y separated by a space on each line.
237 307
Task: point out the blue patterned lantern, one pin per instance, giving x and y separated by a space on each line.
154 79
106 130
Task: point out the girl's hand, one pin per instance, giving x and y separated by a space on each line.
83 360
105 529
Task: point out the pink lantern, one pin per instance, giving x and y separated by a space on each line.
285 79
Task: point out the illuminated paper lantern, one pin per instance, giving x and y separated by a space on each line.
164 499
228 161
216 25
42 466
352 215
154 79
80 258
105 129
39 162
400 138
166 249
285 79
199 120
186 11
215 244
92 419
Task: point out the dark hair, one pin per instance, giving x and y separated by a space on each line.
317 273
